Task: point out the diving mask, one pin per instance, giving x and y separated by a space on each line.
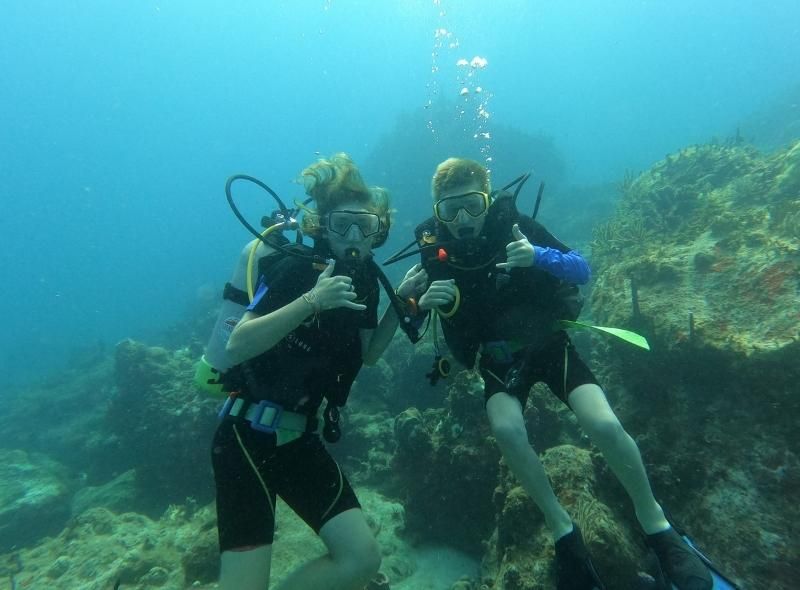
474 204
340 222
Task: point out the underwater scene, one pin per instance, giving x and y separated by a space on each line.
400 294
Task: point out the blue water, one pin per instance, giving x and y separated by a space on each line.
119 123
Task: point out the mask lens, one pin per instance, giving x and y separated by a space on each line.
446 210
369 223
340 222
473 203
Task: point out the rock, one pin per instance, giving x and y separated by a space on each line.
201 559
159 422
118 495
703 258
714 235
99 547
413 438
34 497
520 553
446 466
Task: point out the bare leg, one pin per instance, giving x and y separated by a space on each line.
620 451
353 557
508 427
245 570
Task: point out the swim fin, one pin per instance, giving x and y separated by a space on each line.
720 581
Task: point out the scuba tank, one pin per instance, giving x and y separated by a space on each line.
238 293
236 297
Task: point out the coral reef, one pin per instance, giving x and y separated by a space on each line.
703 257
398 379
98 547
446 467
34 497
69 408
520 553
713 231
366 447
159 421
179 550
117 495
137 413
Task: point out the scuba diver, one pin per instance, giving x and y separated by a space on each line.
500 283
310 326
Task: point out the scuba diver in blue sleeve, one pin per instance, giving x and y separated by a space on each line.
500 284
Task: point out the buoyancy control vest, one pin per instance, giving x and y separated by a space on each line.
520 305
319 358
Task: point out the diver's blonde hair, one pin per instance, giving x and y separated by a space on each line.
459 171
334 181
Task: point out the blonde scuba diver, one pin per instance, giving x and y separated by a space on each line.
309 326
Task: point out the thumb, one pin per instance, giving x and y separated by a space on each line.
518 235
328 271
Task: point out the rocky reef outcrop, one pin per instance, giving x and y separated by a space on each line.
705 250
446 468
160 423
177 550
458 491
520 554
703 257
34 497
119 429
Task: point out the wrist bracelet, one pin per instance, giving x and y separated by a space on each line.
312 300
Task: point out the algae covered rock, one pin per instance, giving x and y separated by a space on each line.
703 257
159 422
34 497
414 439
98 548
117 495
705 248
446 465
366 447
520 553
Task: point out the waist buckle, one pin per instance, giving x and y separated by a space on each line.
265 416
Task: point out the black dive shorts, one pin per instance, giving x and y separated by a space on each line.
301 472
545 365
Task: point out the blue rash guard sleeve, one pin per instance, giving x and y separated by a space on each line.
568 266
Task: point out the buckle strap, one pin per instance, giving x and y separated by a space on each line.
266 416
